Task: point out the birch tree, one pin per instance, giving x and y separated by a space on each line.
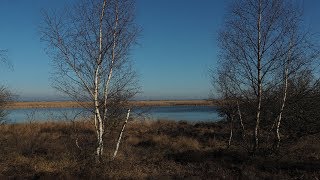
90 45
262 45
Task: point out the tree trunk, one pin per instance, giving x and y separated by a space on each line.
113 58
285 89
241 121
98 119
120 135
259 95
231 131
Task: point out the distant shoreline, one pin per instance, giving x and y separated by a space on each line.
73 104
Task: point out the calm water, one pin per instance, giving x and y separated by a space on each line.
176 113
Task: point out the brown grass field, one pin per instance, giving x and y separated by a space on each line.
72 104
149 150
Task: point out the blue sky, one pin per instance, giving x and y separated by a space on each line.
176 47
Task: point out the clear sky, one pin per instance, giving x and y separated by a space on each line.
176 47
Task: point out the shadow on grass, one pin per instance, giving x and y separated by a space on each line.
193 156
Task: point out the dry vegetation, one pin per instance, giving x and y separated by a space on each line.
150 149
73 104
57 104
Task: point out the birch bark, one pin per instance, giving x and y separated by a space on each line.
240 118
120 135
285 90
231 131
97 119
259 96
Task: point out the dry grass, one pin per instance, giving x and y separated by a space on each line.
150 149
72 104
62 104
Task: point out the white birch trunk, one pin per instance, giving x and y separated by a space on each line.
259 96
114 44
285 89
120 135
98 120
240 118
231 131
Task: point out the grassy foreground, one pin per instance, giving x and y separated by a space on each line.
155 150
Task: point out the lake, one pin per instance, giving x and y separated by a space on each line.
176 113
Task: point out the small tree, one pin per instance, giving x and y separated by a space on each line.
5 95
3 56
90 47
262 46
